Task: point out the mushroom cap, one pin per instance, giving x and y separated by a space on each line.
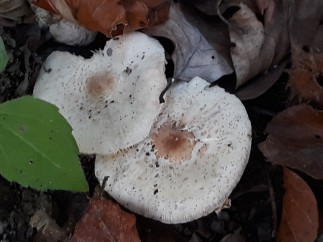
111 100
193 158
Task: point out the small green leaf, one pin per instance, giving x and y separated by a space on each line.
37 148
3 56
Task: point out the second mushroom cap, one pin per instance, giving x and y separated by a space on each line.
193 158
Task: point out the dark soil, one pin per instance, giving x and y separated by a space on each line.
256 202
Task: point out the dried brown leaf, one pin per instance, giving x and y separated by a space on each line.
320 229
256 45
154 231
261 84
306 72
264 5
208 7
106 221
236 236
304 76
317 40
47 228
259 7
296 140
247 36
300 214
201 45
112 17
284 22
14 10
305 20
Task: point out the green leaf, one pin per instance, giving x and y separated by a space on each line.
3 56
37 148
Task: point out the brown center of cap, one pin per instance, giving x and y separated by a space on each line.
173 143
100 84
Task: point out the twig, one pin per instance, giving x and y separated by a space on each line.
273 204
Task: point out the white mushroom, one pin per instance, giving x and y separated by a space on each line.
113 95
193 158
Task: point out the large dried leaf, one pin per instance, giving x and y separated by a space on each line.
296 140
307 59
260 40
201 45
111 17
257 45
305 18
261 84
210 7
317 40
305 75
154 231
14 10
300 214
46 226
106 221
206 6
259 7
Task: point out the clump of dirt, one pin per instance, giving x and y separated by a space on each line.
14 73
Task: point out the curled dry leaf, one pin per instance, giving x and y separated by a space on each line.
306 73
112 17
261 84
305 17
256 45
236 236
105 221
296 140
13 11
260 42
247 36
300 214
201 45
317 41
264 5
210 7
46 226
305 77
153 231
58 27
205 6
274 22
259 7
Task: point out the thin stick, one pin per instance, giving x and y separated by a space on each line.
273 204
